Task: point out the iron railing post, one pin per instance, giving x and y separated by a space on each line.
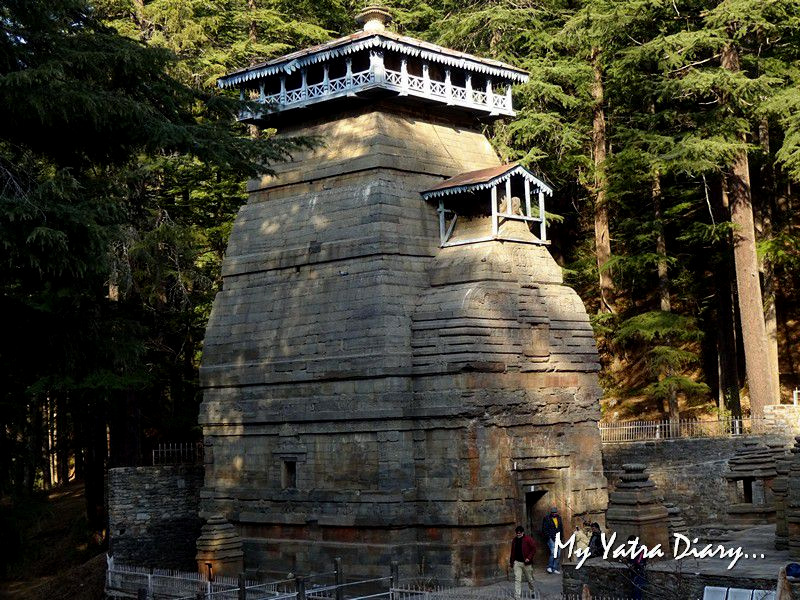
395 582
242 587
339 578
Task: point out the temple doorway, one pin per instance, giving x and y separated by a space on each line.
536 508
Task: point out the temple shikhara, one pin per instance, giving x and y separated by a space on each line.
394 369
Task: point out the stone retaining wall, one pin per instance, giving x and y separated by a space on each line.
783 419
615 579
153 515
687 472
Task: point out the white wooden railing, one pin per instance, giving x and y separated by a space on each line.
637 431
402 82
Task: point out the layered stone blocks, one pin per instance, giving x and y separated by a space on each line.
152 514
371 396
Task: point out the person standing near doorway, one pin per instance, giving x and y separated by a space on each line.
596 541
551 525
523 549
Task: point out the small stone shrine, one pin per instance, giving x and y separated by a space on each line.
780 491
634 509
793 502
675 520
750 474
394 369
219 549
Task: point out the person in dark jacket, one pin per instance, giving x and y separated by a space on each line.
638 572
552 524
523 549
595 541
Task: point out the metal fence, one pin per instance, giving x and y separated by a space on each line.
126 581
425 592
178 453
637 431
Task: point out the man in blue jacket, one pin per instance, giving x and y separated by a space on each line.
551 525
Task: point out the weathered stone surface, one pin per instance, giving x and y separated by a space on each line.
750 474
371 396
675 520
780 489
783 419
634 508
614 580
793 502
687 472
219 548
152 515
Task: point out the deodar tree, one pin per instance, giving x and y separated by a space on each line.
82 107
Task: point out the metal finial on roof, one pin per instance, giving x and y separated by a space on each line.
374 18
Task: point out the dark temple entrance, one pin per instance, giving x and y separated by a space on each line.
536 508
535 511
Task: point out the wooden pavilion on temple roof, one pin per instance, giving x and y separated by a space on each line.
376 62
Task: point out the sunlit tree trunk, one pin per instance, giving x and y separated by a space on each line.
763 229
602 235
726 311
751 307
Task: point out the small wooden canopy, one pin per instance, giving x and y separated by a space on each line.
492 178
484 179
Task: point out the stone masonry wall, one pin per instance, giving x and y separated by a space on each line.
152 513
782 418
370 396
687 472
614 579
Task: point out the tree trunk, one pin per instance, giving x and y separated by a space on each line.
751 308
727 342
764 232
96 445
63 439
252 30
139 20
252 35
47 443
661 246
602 235
663 279
124 422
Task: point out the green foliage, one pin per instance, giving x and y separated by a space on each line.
121 172
657 326
118 183
675 384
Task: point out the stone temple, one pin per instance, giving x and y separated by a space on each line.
394 369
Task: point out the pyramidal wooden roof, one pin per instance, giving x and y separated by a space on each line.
484 179
363 40
373 63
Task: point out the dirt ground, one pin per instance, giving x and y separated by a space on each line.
49 553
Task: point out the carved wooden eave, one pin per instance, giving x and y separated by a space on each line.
388 61
494 178
484 179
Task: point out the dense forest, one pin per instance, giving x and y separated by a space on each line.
670 130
